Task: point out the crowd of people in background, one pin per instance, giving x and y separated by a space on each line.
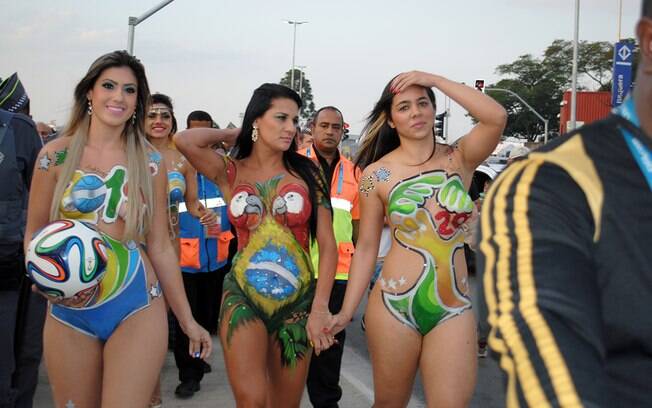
268 237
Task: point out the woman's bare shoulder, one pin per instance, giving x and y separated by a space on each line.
54 153
60 143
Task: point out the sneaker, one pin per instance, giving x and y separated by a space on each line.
482 349
187 389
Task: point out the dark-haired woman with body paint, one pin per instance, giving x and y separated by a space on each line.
418 314
272 311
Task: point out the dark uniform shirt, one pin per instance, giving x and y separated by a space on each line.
566 252
328 169
27 145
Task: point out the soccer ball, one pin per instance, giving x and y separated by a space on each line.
66 257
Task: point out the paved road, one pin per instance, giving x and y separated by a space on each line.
489 391
356 381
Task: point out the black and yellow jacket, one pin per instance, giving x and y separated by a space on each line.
566 257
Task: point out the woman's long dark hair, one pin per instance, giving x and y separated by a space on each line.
378 138
295 163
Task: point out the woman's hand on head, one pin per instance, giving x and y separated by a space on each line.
407 79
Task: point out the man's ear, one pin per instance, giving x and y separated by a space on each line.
644 34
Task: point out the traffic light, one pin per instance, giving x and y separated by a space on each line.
440 124
479 85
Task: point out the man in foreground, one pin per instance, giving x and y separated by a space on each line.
567 260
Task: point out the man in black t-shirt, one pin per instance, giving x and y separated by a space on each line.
566 252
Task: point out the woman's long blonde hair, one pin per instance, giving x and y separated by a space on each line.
140 195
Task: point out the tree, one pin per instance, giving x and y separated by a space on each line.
594 60
536 83
302 86
543 81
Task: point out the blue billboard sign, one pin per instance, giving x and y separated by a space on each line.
622 72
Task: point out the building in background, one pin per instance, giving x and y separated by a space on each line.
591 106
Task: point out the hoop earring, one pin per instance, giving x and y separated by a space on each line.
254 134
89 109
133 119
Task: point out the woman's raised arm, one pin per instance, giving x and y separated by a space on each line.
197 146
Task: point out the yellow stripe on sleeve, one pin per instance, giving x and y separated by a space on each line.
545 341
496 343
572 157
490 266
529 381
496 246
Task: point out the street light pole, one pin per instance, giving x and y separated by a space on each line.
294 48
294 51
134 21
620 19
514 94
301 68
573 111
447 107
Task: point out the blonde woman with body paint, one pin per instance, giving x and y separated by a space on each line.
108 350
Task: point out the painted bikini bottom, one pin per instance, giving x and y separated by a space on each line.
420 307
122 292
287 324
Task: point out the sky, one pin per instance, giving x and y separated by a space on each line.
212 54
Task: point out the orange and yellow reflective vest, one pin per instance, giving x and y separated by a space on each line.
344 201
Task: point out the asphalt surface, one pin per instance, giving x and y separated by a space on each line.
356 380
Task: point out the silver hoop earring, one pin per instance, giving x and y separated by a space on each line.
133 119
89 109
254 134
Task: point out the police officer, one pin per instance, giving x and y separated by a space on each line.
21 313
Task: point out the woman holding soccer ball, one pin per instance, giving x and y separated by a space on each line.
106 345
